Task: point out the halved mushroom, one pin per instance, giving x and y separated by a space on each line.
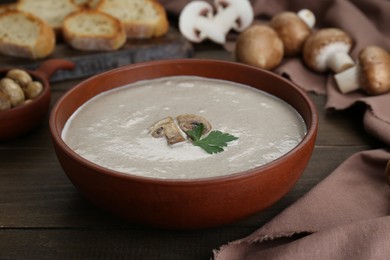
233 14
293 29
167 128
328 48
188 122
196 23
372 73
21 77
13 90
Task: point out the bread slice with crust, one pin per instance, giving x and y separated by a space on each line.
140 18
51 11
7 7
93 30
25 35
86 3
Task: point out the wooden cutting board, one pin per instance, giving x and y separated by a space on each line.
171 46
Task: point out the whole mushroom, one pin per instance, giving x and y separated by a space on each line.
21 77
293 29
13 90
372 73
328 49
259 46
33 89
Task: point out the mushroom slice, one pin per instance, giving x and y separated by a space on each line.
188 122
196 23
232 14
167 127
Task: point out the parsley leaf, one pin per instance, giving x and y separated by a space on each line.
196 133
213 143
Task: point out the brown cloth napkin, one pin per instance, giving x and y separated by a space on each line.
347 215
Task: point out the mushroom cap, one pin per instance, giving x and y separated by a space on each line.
188 18
375 70
320 45
292 30
244 11
259 46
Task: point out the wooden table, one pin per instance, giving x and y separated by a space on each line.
43 216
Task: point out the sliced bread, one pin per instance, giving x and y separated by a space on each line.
7 7
86 3
93 30
82 3
53 12
25 35
140 18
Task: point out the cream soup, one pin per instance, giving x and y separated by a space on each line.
112 129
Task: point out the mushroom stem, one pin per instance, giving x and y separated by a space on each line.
348 80
339 61
308 17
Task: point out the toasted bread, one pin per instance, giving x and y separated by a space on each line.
93 30
53 12
25 35
7 7
86 3
140 18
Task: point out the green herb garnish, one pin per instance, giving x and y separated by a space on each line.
213 142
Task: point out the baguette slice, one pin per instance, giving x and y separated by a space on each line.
140 18
82 3
51 11
93 30
25 35
7 7
86 3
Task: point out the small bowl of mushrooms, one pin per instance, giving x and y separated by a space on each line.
25 97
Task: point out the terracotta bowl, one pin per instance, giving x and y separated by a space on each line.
17 121
185 204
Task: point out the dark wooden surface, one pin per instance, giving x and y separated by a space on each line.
42 215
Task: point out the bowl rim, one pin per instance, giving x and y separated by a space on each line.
56 133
